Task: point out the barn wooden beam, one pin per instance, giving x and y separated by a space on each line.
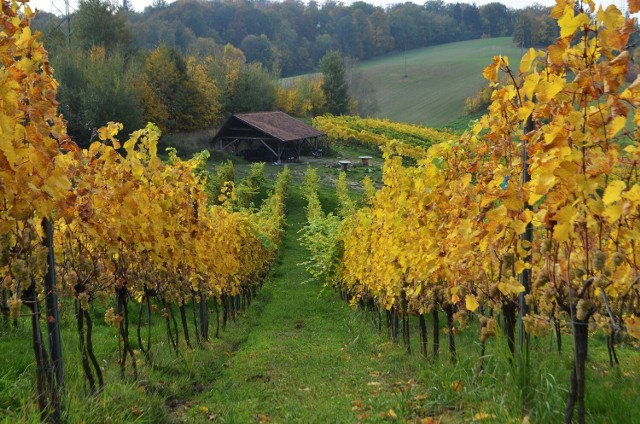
277 155
228 144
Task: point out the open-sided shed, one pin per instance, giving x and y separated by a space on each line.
281 134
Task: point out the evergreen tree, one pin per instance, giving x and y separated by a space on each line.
97 87
100 23
334 83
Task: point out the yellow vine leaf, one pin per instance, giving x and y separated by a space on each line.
595 206
6 148
633 194
530 84
547 89
521 265
569 23
491 71
527 60
613 191
525 110
564 228
471 303
511 286
109 131
632 92
513 201
613 212
616 125
633 326
557 51
611 17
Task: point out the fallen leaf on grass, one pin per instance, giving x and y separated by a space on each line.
479 416
392 413
203 409
261 418
456 386
428 420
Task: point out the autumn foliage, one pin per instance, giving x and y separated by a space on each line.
536 209
128 226
408 140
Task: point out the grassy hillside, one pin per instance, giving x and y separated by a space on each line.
439 78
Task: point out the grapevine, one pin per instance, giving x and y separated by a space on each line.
405 139
448 233
129 228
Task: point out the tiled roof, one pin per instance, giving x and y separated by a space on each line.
279 125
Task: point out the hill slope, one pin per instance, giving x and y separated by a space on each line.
439 79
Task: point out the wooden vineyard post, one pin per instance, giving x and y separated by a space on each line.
53 322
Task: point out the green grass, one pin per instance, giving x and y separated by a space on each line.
438 81
327 166
309 357
163 386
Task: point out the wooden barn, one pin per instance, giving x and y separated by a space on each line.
267 136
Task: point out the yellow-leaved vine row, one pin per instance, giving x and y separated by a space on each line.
127 225
406 139
536 209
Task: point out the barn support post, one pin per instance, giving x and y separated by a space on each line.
280 152
265 144
298 150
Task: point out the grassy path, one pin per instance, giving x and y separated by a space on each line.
301 355
308 357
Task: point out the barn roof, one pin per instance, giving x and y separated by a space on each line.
277 125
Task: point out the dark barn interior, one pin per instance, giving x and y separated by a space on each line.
268 137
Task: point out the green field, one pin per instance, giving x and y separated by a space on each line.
439 79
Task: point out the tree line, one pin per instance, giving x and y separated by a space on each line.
105 75
188 64
292 36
